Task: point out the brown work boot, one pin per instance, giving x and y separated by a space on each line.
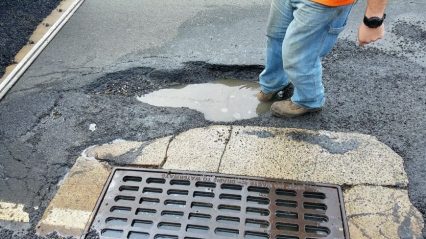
262 97
282 94
287 108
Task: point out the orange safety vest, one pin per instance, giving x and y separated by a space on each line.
334 3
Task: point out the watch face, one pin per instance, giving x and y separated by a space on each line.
373 22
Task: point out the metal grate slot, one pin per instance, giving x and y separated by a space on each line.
229 208
315 206
117 209
205 184
233 187
142 224
202 230
226 232
316 218
172 214
230 197
284 192
138 235
257 211
156 181
288 215
286 237
258 190
165 236
318 231
314 195
145 211
203 194
132 179
258 200
232 221
175 203
152 190
145 201
286 203
113 221
176 192
255 235
169 226
128 188
124 198
180 182
199 217
257 223
156 204
288 227
112 233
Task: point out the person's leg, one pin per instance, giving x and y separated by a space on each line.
310 36
273 77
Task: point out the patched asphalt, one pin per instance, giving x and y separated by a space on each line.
45 119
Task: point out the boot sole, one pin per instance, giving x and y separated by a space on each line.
293 115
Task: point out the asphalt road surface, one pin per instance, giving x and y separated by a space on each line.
112 51
18 19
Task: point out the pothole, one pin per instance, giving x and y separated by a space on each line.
223 100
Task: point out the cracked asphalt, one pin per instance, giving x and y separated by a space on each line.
110 52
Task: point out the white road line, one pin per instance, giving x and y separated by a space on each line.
13 212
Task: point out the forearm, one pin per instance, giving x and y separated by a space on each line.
375 8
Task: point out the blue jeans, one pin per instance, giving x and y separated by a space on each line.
300 33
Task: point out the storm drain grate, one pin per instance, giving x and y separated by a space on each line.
139 203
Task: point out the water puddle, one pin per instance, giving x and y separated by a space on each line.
222 100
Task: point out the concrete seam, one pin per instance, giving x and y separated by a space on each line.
226 145
167 152
398 187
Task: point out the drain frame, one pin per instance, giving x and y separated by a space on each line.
225 181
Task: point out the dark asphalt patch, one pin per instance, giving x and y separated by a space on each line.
411 39
412 32
263 134
369 91
325 142
18 20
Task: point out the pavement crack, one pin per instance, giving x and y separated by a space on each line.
167 152
44 115
224 148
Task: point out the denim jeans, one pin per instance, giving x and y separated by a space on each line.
299 34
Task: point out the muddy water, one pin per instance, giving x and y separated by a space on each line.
222 100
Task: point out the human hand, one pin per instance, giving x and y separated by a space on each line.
367 35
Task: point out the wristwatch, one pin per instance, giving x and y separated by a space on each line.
374 22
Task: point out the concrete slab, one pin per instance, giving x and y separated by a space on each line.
379 212
154 154
198 149
71 208
316 156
